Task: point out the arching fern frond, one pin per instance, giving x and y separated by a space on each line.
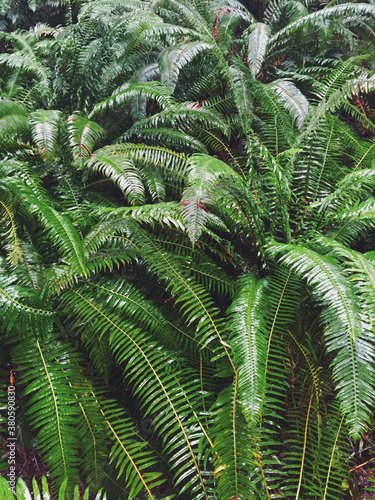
293 100
44 131
83 135
173 59
344 334
153 90
257 46
121 171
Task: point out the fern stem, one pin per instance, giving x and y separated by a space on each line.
331 459
128 455
304 444
56 407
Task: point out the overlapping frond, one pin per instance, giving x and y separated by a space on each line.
44 131
83 135
345 335
257 46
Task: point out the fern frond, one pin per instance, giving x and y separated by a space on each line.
293 100
168 138
44 131
164 401
361 10
13 121
153 90
121 171
234 449
83 135
204 173
187 12
344 334
249 340
173 59
353 223
53 410
257 46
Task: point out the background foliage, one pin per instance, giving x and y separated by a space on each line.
187 218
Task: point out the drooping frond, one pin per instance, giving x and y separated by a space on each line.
352 224
44 131
169 138
168 403
344 333
52 404
83 135
23 307
175 58
121 171
249 341
8 227
361 10
204 173
189 15
235 451
59 228
130 456
153 90
13 121
352 186
293 100
257 46
27 46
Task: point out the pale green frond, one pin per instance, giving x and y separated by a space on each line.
257 46
293 100
173 60
83 135
44 131
121 171
344 333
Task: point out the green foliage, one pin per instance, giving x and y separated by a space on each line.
187 245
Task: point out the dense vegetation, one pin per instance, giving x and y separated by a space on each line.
187 277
